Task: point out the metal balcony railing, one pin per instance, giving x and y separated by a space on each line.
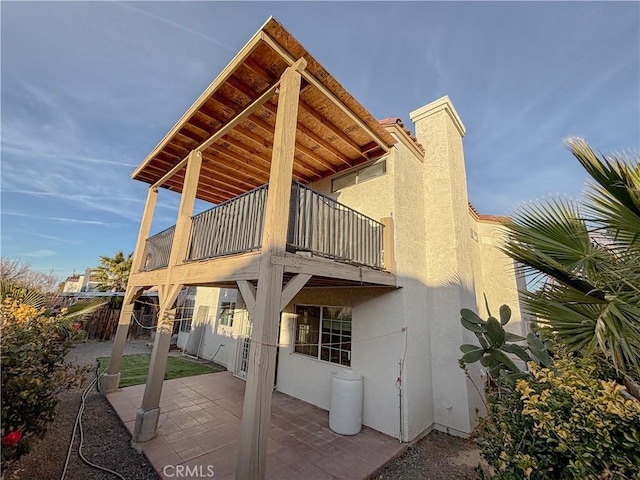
158 250
234 226
317 224
323 226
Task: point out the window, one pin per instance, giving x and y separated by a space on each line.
184 312
227 309
360 175
324 333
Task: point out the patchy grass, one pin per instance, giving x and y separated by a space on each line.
134 368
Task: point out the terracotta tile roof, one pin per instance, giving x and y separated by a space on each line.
398 121
473 210
494 218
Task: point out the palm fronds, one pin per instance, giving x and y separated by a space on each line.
588 254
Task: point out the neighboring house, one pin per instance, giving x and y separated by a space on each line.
362 263
88 282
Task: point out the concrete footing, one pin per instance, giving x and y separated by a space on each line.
146 424
109 383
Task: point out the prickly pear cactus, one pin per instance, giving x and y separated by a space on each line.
498 347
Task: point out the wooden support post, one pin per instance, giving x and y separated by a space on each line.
158 363
181 237
252 459
147 415
145 227
110 381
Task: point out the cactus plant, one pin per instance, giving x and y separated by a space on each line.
496 345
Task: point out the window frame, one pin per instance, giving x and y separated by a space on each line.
228 315
188 306
378 161
321 347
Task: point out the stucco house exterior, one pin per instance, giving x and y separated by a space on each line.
359 254
87 282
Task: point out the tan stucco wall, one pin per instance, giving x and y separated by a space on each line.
440 267
499 280
209 338
377 345
373 198
450 275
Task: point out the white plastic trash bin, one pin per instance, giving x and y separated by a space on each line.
345 411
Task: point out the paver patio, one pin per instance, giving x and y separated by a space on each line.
200 426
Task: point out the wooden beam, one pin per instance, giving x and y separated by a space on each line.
292 288
215 270
247 164
214 186
267 127
211 167
265 143
217 135
210 112
259 160
190 136
323 267
170 173
325 145
252 459
253 106
161 293
329 125
248 292
246 90
326 92
131 295
262 72
317 159
198 124
326 123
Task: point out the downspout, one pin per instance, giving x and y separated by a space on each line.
399 387
401 362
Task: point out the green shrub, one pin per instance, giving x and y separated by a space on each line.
561 422
33 373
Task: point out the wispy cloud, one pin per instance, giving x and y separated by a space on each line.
61 219
57 239
40 253
177 25
69 156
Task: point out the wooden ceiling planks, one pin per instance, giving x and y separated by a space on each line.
331 136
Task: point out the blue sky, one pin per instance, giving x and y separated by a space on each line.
88 89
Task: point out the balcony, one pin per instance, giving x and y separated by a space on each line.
317 224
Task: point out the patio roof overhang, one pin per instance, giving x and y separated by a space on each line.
232 124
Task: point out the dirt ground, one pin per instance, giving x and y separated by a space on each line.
437 456
106 442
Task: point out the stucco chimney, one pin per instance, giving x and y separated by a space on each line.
449 256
